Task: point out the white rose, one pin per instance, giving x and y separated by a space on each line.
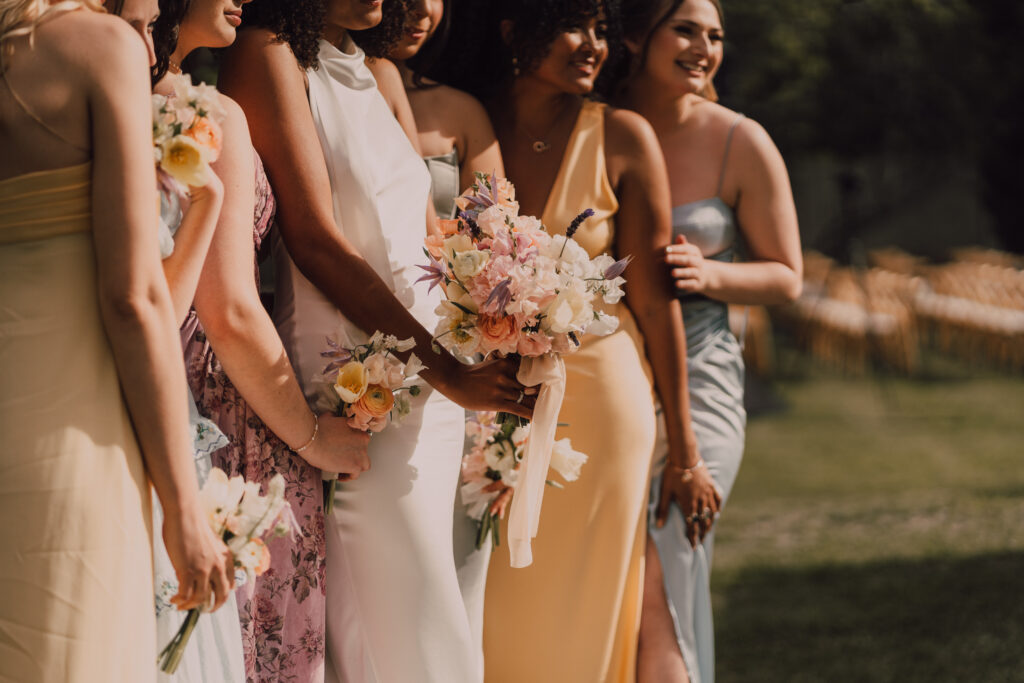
467 264
563 314
376 368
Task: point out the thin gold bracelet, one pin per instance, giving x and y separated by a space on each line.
316 430
686 473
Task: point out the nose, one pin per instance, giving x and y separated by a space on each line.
150 50
701 45
418 8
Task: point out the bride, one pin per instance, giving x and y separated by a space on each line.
353 196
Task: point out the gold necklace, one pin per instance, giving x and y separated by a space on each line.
540 145
173 66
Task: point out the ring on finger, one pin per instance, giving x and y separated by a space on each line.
706 513
522 395
694 518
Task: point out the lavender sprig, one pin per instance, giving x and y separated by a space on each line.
574 226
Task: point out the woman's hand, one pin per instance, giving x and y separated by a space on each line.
501 503
689 269
694 492
201 561
492 385
339 448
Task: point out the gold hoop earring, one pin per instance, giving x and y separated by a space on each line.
515 66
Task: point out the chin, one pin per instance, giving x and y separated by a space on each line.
368 19
403 51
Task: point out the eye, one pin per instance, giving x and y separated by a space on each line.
601 30
684 30
716 37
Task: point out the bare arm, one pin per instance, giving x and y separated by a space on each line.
240 331
477 144
136 307
191 242
264 78
643 228
767 218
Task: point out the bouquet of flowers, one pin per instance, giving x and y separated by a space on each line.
187 136
370 385
491 468
242 518
513 288
510 286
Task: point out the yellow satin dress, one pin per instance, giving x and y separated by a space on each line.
573 616
76 594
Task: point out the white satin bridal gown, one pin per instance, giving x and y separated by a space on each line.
394 610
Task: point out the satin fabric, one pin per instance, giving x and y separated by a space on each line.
573 616
76 592
395 613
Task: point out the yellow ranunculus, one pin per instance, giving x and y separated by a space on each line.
185 160
352 381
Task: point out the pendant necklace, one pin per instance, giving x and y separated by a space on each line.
540 145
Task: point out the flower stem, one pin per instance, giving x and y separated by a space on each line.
170 656
329 488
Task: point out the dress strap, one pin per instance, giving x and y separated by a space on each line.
725 154
31 114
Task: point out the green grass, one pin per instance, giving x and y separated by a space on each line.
876 533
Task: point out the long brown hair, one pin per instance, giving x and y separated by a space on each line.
641 18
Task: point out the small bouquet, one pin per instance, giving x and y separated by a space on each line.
513 288
242 518
491 467
370 385
187 136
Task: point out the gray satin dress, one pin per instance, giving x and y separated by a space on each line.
715 369
470 563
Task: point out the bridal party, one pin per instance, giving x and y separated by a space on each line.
398 351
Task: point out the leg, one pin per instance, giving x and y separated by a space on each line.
658 659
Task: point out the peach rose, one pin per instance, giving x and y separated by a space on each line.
207 133
497 333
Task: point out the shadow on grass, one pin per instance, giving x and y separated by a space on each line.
947 619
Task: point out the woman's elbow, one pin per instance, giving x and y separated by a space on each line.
230 322
792 287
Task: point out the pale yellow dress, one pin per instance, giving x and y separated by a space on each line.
76 593
573 616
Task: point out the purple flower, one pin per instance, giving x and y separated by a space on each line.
337 353
499 297
616 269
435 272
577 222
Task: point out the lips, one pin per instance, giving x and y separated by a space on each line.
585 67
692 66
234 17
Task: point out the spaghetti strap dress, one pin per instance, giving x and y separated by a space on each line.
573 615
715 369
76 569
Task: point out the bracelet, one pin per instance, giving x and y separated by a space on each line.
687 472
316 430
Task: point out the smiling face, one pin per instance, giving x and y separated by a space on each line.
141 15
211 23
424 18
574 58
685 50
355 15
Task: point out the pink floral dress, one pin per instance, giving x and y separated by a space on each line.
282 613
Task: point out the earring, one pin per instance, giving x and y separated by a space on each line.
515 66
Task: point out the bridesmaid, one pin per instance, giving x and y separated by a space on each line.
457 141
727 182
240 332
565 153
86 309
353 207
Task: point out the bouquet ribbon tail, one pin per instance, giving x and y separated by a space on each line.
548 371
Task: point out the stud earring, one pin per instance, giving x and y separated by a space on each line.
515 66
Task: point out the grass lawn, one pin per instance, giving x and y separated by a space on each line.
876 533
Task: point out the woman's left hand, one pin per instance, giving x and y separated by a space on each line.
694 492
688 267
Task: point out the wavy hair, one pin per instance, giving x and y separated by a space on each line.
378 41
297 23
165 34
20 17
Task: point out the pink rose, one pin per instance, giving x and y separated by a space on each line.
498 333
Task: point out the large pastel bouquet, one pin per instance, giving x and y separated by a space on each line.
511 287
370 386
187 136
242 518
490 469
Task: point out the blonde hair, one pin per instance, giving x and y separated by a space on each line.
20 17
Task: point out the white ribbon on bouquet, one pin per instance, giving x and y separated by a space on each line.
549 372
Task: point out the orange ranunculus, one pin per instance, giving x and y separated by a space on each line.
207 133
376 401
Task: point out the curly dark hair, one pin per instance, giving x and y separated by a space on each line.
376 42
299 23
165 34
480 61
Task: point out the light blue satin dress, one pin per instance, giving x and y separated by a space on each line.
715 369
470 563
